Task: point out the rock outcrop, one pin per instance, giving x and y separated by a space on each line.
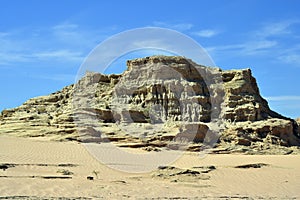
159 101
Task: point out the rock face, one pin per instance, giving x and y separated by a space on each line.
155 103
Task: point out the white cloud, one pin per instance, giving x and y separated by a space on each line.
65 55
271 39
3 34
64 42
65 26
276 28
258 47
10 58
291 55
74 36
11 50
247 48
291 59
207 33
175 26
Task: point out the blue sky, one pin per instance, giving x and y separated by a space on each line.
43 43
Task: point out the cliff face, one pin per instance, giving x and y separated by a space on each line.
249 117
156 102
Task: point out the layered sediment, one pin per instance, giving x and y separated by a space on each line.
155 103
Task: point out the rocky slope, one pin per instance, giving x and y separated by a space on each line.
160 102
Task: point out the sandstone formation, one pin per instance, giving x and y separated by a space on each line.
159 102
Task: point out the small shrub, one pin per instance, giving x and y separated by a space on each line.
65 172
95 173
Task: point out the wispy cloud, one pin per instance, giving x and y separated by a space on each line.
8 58
207 33
65 26
276 28
3 34
291 54
65 42
269 39
67 32
10 49
258 47
65 55
292 58
175 26
73 35
187 27
246 48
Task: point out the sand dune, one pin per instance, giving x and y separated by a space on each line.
40 169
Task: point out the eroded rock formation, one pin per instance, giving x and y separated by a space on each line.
155 103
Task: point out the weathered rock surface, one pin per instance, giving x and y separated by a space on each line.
298 123
159 102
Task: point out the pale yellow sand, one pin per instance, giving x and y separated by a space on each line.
281 179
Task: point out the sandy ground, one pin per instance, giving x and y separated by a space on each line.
36 173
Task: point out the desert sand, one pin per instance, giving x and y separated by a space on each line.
36 169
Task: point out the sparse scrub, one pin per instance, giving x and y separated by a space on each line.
64 172
96 173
